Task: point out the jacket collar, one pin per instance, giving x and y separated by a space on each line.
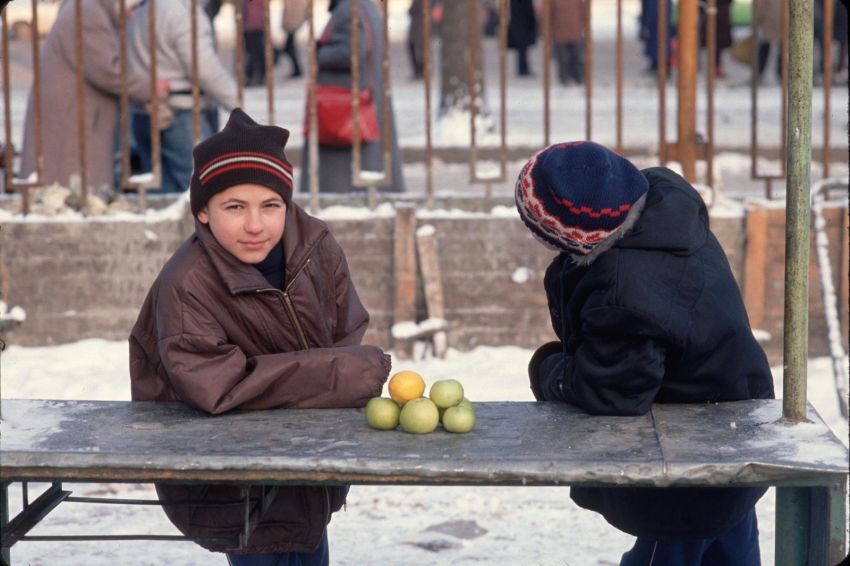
300 236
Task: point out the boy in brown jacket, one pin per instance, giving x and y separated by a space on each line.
255 310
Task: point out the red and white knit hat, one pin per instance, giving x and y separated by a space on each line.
243 152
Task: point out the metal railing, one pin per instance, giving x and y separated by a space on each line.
688 149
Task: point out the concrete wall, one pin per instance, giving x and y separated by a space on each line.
80 280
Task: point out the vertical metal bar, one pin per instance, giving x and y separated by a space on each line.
686 74
81 99
196 87
828 19
472 21
503 90
240 52
661 58
426 73
387 83
124 97
5 553
754 55
711 53
156 155
36 89
619 77
837 521
784 45
25 493
799 156
268 59
313 165
588 72
7 113
356 142
547 66
792 522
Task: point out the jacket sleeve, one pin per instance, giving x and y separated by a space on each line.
215 80
617 368
216 376
102 60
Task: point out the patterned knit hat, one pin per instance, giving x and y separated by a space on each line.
575 195
243 152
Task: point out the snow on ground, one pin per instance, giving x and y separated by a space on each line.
392 525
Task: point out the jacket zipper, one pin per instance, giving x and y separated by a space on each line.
290 306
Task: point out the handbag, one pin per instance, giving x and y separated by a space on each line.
335 112
336 117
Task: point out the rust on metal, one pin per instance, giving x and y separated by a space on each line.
426 79
711 56
661 58
81 99
268 59
240 52
686 74
196 87
619 76
547 57
588 73
313 123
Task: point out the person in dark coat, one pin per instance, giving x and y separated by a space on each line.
723 27
522 33
646 310
333 55
649 32
256 310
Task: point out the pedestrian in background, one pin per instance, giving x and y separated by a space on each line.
522 33
416 39
102 88
649 33
333 56
568 17
723 29
253 16
174 64
294 16
768 22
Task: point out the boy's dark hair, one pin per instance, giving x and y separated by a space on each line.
243 152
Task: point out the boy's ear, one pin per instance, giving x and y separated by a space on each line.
203 216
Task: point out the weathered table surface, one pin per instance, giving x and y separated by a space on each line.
741 443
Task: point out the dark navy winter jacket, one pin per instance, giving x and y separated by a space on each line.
658 318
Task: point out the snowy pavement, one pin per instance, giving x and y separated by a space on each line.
404 525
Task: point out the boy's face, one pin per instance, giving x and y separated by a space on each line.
248 220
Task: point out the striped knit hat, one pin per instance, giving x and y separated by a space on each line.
243 152
572 196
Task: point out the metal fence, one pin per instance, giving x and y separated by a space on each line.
688 149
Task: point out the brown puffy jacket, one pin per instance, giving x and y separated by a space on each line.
214 334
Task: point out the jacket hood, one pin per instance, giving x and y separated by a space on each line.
301 234
674 220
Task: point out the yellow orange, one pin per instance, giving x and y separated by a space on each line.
405 386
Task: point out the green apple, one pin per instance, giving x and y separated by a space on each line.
419 416
459 419
446 393
382 413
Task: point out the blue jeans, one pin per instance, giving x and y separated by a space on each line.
737 547
319 557
175 148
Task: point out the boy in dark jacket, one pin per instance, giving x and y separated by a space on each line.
647 311
256 310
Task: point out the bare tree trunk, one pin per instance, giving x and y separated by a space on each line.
455 56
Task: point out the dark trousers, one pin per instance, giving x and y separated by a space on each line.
522 69
319 557
570 58
291 52
255 60
764 53
737 547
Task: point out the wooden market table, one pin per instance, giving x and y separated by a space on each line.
742 443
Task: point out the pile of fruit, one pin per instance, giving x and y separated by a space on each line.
417 414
